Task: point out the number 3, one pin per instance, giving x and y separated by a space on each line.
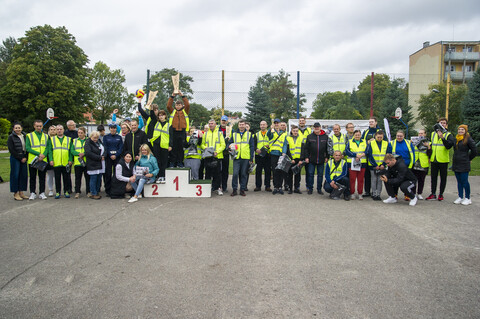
199 188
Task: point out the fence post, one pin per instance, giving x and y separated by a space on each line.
371 95
148 82
298 94
223 92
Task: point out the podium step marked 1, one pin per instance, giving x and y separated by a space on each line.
178 184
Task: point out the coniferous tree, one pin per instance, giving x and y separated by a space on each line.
471 106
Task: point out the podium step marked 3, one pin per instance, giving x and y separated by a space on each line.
178 184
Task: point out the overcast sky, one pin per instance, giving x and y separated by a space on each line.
210 35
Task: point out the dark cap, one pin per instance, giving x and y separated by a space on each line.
276 121
316 124
113 125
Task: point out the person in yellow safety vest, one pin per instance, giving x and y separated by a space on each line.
214 138
293 148
242 141
179 126
262 158
422 162
78 152
37 144
303 130
376 152
277 136
193 151
368 136
336 174
441 144
355 149
339 140
160 142
61 160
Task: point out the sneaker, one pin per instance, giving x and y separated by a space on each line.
390 200
346 197
352 197
275 191
420 197
242 193
466 201
42 196
431 197
319 191
256 189
57 195
96 197
406 198
50 194
297 191
413 201
280 191
458 201
440 198
234 193
67 195
219 192
89 195
367 195
32 196
360 196
133 200
268 189
310 192
140 196
290 191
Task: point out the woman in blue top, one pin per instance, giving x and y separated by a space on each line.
147 160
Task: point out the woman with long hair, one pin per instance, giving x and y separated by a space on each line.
145 171
465 151
18 162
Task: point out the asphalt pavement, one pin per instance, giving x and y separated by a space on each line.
259 256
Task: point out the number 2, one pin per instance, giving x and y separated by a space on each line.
199 188
155 189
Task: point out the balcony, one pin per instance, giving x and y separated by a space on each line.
461 56
458 76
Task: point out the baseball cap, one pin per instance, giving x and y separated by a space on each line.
276 120
224 118
112 125
316 124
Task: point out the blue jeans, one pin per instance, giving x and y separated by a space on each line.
311 175
18 175
140 182
462 183
240 170
95 183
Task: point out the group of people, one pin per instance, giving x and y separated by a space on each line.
355 164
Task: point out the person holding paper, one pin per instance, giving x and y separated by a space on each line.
357 162
145 170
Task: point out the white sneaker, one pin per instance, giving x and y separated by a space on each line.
32 196
162 180
420 197
50 194
390 200
466 201
219 192
140 196
360 196
352 197
42 196
133 200
413 201
458 201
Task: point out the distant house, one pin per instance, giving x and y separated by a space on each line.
88 117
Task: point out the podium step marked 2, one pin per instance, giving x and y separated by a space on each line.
178 184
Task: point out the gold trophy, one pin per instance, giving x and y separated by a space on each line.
272 117
151 97
176 83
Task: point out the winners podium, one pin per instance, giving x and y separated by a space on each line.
178 184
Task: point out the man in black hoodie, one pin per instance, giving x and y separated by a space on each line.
397 176
134 140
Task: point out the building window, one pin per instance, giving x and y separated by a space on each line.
467 49
451 49
452 68
467 68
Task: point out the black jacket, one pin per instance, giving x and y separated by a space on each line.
399 173
317 148
118 187
93 153
15 146
462 155
133 141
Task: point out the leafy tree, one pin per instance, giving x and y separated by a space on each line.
47 70
109 92
396 97
6 55
433 105
381 84
282 99
471 106
161 81
334 105
258 105
199 115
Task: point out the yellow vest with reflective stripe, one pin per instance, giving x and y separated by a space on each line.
338 143
262 140
295 146
61 151
276 144
439 151
214 139
334 172
199 150
170 120
354 148
304 135
163 132
243 141
37 145
422 157
410 151
79 147
378 154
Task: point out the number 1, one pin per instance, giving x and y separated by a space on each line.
175 181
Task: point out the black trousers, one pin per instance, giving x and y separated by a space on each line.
79 171
225 167
278 175
161 154
407 187
33 179
201 170
177 140
214 173
109 168
443 169
420 175
298 177
61 173
367 182
263 163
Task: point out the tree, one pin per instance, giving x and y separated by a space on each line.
47 70
258 105
109 92
471 106
334 105
433 105
396 97
199 115
381 84
282 99
216 114
161 81
6 55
